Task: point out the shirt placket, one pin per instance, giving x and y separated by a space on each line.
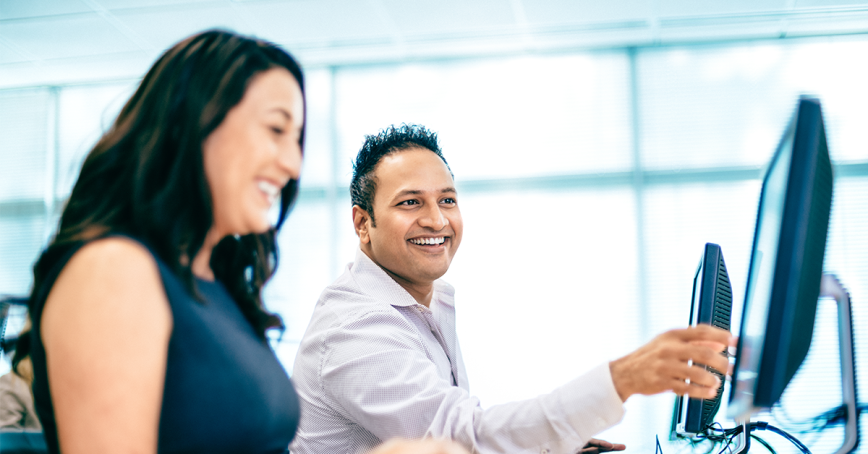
428 316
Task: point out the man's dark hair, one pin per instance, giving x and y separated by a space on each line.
386 142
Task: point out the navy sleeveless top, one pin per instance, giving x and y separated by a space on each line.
225 391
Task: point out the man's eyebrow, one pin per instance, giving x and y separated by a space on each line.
408 192
405 192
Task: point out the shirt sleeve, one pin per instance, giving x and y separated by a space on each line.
375 371
11 409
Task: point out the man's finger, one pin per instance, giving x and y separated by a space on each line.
697 375
701 377
710 358
596 445
703 332
599 443
716 346
690 390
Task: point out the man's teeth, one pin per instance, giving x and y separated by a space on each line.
438 240
269 189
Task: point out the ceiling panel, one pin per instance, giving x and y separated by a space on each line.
163 27
564 12
827 22
127 66
318 21
422 17
66 36
18 9
9 55
828 3
127 4
675 8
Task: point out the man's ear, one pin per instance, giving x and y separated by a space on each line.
361 222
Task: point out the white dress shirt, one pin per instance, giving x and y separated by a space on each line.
374 364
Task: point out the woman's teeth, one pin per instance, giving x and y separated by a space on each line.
434 241
270 190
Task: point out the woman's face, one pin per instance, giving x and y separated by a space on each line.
254 152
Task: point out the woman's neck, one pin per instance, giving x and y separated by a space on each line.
201 266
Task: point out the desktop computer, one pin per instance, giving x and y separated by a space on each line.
786 265
783 286
785 273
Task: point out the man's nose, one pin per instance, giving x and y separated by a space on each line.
433 218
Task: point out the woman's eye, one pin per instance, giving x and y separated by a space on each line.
277 130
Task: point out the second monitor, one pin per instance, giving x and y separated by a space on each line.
712 305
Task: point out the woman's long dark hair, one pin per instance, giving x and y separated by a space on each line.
145 177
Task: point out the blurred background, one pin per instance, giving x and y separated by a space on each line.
596 147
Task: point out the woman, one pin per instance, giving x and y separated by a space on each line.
148 324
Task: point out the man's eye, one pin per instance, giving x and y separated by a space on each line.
409 202
448 200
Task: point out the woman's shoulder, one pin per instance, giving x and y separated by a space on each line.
106 271
115 255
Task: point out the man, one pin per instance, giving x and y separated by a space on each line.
381 359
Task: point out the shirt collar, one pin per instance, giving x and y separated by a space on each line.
376 282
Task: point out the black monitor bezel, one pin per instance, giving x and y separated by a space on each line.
794 287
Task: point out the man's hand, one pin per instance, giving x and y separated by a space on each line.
662 364
596 446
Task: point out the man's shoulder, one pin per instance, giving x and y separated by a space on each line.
345 302
345 313
345 297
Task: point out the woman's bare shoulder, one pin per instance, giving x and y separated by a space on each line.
116 276
114 257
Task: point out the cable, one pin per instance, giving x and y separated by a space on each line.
719 435
789 437
764 443
837 415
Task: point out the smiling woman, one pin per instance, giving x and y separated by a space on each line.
148 323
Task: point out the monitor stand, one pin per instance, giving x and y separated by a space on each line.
831 287
742 440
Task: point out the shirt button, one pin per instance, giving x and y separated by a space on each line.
544 451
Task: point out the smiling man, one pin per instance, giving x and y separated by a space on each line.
381 359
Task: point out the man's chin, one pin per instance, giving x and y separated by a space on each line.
432 273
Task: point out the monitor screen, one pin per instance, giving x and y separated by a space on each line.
786 264
711 304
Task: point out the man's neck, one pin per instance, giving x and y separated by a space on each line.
421 292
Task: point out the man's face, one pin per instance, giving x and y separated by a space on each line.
418 223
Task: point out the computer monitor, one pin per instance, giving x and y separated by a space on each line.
711 304
786 264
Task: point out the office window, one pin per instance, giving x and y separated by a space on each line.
517 117
86 113
26 130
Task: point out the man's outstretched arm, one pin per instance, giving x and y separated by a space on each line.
378 376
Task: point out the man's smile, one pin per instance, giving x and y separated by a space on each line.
428 241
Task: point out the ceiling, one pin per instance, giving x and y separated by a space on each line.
74 41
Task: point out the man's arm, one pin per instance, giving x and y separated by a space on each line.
375 371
